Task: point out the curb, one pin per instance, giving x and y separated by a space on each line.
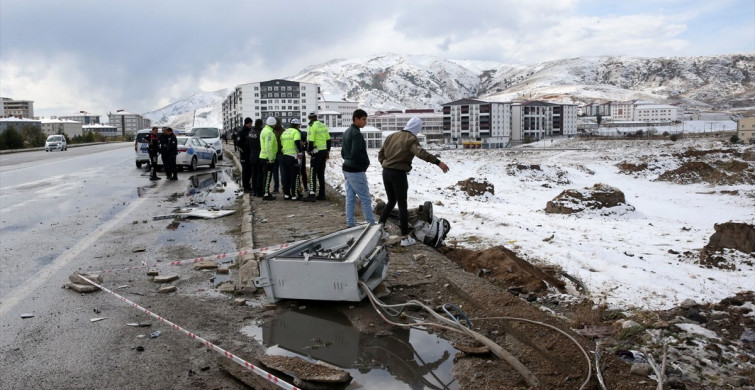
247 232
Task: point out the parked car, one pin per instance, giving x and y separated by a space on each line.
211 135
193 151
56 142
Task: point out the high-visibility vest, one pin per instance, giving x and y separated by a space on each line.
318 135
268 144
288 141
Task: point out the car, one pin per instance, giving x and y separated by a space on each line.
211 135
56 142
141 148
193 151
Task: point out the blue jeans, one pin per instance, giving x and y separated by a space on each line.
356 186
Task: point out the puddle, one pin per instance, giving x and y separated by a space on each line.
405 359
212 189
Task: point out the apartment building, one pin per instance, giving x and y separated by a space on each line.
534 120
18 108
86 118
61 126
655 113
344 107
18 123
622 111
99 128
282 99
597 108
128 122
477 124
432 122
746 130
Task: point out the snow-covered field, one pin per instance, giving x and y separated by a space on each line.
624 258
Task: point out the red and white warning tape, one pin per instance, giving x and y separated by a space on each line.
219 256
243 363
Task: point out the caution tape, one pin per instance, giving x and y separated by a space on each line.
195 260
243 363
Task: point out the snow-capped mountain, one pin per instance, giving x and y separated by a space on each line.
394 81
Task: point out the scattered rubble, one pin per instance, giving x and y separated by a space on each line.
473 187
165 279
166 289
305 372
209 264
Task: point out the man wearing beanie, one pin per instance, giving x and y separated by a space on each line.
396 157
268 153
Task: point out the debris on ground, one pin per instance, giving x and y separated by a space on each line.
473 187
165 278
730 235
599 196
304 371
166 289
97 319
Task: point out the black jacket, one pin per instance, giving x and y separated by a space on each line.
168 145
249 142
354 150
153 143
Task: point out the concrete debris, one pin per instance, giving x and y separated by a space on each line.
166 289
139 249
642 369
97 319
206 265
223 270
155 334
629 324
82 288
165 279
303 370
153 272
239 301
227 286
77 278
27 315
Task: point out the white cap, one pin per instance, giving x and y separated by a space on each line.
295 121
271 121
414 125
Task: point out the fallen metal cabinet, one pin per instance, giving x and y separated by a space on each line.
327 268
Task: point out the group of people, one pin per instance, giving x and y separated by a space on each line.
270 154
165 144
395 157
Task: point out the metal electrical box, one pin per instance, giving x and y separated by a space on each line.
326 268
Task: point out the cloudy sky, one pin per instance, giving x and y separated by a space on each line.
100 56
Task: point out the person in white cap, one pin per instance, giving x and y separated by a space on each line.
396 157
268 153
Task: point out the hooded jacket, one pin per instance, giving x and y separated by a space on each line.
399 150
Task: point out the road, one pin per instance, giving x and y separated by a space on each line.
90 208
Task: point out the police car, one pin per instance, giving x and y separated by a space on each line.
141 147
193 151
211 135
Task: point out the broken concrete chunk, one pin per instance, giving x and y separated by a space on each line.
306 371
97 319
82 288
166 289
223 270
139 249
165 279
77 278
206 265
153 272
27 315
239 301
226 287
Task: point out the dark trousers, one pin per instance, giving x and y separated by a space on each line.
258 179
291 178
246 174
278 173
169 164
268 174
317 173
396 187
303 173
153 163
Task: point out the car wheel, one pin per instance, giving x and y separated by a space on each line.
214 160
138 165
193 166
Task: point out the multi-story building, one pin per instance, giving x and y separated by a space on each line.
61 126
655 113
18 108
372 136
622 111
346 108
432 122
746 129
475 123
104 130
18 123
128 122
334 119
595 109
534 120
282 99
86 118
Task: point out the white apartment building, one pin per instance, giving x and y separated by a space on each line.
104 130
622 111
334 119
128 122
474 123
535 120
655 113
86 118
432 122
61 126
17 108
18 123
344 107
372 136
282 99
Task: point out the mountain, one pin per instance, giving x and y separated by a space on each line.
392 81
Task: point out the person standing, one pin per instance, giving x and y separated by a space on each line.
254 153
268 153
396 157
245 155
291 148
319 149
278 174
303 161
169 151
153 149
355 163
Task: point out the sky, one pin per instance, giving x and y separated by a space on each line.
100 56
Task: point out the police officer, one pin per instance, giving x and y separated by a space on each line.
319 148
245 154
153 148
169 150
291 149
268 154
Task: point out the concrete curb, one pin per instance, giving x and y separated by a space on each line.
247 273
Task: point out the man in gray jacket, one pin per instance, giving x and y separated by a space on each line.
355 163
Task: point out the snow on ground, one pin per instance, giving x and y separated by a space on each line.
622 257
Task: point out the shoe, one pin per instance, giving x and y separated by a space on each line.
154 178
286 197
408 241
321 197
297 198
172 178
268 197
310 198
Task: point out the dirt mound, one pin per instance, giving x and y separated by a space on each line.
725 173
749 154
504 268
729 235
475 188
625 167
694 153
573 201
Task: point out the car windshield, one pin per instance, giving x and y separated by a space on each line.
206 132
54 138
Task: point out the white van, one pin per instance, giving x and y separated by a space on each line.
56 142
211 135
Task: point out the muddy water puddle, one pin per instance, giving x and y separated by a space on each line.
404 359
215 189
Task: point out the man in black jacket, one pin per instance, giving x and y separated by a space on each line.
153 148
244 154
355 163
169 150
